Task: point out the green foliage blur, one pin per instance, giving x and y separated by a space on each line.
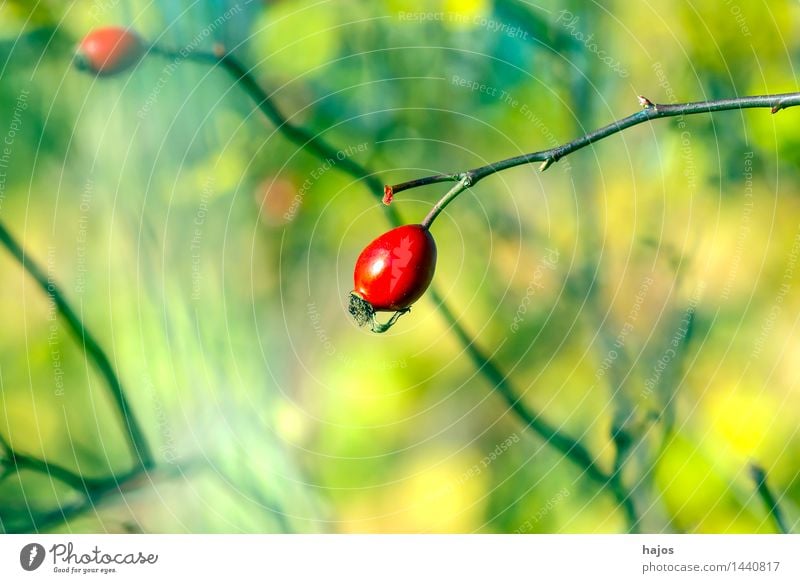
646 286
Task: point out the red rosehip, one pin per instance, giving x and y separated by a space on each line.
109 50
392 273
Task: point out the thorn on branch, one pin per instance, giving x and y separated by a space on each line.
759 477
777 107
546 164
645 103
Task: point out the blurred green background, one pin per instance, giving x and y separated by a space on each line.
646 285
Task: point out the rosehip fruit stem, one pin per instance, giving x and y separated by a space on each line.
364 314
463 183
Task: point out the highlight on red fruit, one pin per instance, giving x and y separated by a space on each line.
391 274
109 50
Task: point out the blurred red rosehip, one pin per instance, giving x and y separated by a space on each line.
109 50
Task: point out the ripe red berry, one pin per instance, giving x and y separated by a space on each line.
109 50
392 273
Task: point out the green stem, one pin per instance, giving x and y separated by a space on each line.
625 500
571 448
759 476
451 195
100 490
138 442
15 461
623 445
93 489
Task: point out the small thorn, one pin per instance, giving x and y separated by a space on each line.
777 107
645 103
388 195
546 164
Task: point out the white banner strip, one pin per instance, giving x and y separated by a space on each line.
400 558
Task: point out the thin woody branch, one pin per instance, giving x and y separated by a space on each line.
650 111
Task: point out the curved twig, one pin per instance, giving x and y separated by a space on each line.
649 112
140 449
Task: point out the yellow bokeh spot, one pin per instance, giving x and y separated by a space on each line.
468 14
356 399
698 492
220 173
406 6
433 493
689 484
19 15
468 9
290 423
293 38
440 495
29 424
743 419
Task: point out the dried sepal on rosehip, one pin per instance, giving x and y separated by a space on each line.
109 50
392 273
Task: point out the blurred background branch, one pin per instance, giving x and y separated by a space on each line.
140 449
759 477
